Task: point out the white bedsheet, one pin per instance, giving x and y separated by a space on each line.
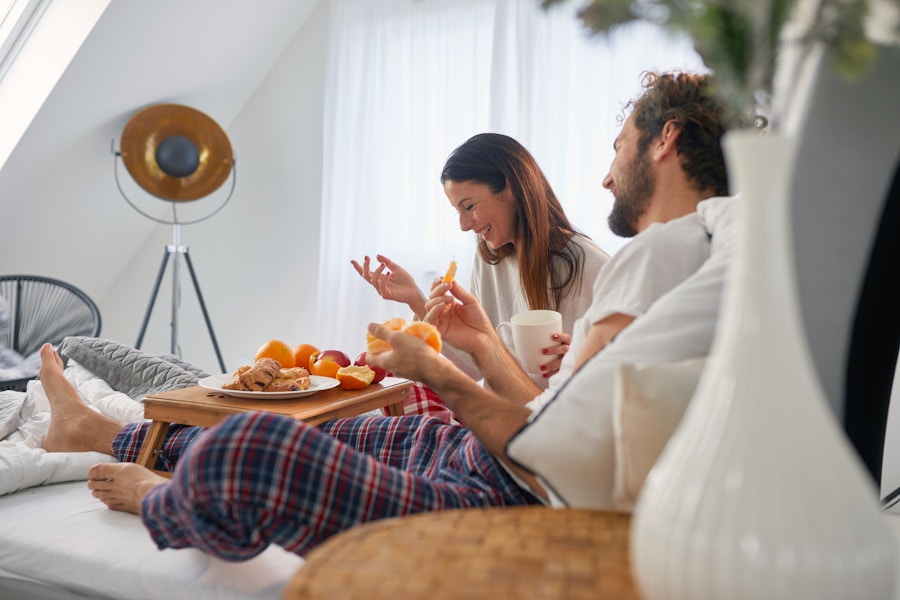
52 530
63 537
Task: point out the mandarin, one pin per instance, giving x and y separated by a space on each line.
425 331
279 351
419 329
375 345
355 377
302 354
322 368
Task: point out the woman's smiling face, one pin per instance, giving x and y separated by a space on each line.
491 216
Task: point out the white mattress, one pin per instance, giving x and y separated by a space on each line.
62 537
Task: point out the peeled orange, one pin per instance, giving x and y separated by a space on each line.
279 351
322 368
355 377
425 331
375 345
420 329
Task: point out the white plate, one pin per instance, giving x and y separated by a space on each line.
316 384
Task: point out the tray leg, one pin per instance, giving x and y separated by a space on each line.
156 435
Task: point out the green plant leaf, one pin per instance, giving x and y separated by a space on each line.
739 40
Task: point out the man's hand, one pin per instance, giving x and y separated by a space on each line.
492 418
459 317
409 356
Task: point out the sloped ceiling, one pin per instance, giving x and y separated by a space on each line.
57 189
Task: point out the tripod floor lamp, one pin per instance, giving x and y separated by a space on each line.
177 154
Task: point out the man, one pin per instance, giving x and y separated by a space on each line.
258 478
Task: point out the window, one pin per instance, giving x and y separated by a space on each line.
17 19
409 81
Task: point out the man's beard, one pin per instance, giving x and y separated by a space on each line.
632 197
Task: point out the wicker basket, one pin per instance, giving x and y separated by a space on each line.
498 553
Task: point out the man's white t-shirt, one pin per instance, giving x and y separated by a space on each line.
569 443
654 262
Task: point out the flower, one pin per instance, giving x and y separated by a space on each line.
739 40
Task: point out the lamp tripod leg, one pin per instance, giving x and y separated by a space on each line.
159 276
212 335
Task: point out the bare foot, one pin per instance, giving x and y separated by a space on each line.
122 486
74 426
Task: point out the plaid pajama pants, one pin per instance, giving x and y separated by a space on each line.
422 400
258 479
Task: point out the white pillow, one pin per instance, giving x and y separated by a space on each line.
648 405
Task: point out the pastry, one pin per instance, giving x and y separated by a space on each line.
266 375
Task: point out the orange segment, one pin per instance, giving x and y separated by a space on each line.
355 377
278 350
425 331
375 345
451 272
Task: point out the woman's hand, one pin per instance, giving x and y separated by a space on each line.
552 367
392 282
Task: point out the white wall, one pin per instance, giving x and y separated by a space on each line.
256 260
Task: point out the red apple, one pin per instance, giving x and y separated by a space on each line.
335 356
379 372
327 363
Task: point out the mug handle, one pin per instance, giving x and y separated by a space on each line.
510 343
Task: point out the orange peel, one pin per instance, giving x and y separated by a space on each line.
355 377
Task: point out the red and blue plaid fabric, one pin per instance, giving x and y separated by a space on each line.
127 443
422 400
258 479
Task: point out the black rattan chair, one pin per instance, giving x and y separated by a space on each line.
44 310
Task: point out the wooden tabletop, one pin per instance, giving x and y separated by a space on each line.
200 406
495 553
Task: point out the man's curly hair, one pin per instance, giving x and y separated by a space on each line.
688 100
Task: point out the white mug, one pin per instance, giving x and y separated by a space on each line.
533 331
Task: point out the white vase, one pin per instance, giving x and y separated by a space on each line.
759 494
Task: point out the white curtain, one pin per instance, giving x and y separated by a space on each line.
410 80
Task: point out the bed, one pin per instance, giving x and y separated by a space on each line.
57 541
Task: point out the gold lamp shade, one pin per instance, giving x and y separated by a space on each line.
176 152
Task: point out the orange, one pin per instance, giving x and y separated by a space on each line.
279 351
355 377
323 368
420 329
375 345
425 331
302 354
451 272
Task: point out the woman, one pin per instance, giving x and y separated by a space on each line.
529 254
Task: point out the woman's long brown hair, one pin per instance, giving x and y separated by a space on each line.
548 269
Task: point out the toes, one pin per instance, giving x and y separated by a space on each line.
106 471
